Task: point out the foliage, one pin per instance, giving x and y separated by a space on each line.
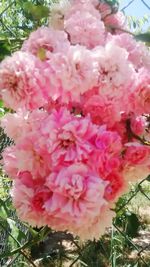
17 19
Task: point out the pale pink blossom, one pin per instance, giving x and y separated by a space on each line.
33 156
18 125
21 82
47 41
140 97
82 5
99 225
116 73
30 203
83 192
10 162
81 25
15 125
138 53
76 72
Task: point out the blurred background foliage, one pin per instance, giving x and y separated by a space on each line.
127 242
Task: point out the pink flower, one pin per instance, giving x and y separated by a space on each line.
39 200
115 187
15 125
108 154
10 161
68 138
116 73
29 203
33 156
140 97
102 109
138 53
137 154
99 225
74 73
81 25
21 82
138 125
83 192
47 41
82 5
108 141
20 124
116 20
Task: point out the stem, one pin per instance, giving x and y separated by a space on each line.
111 27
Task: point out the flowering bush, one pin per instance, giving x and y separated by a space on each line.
80 96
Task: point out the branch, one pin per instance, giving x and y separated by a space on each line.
112 27
145 4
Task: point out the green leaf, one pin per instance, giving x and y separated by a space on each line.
144 37
37 12
15 232
3 209
1 103
3 214
148 178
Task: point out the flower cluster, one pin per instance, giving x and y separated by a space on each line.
80 95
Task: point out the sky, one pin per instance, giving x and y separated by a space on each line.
137 9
